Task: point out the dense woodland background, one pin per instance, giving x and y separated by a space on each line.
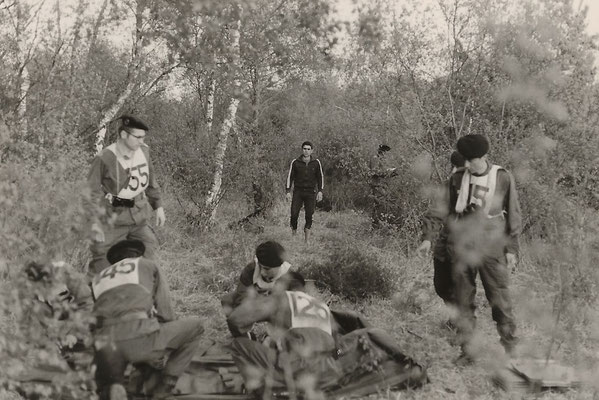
231 89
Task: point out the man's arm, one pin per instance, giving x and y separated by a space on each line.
290 177
250 311
514 218
437 214
162 298
320 176
153 190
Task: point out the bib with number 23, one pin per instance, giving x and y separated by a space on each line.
308 312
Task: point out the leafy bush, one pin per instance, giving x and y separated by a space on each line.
351 271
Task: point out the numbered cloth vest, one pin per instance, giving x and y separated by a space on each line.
137 170
308 312
480 191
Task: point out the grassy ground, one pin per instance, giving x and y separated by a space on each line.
201 268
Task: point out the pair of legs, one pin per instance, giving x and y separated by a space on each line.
494 275
264 368
142 232
176 340
307 199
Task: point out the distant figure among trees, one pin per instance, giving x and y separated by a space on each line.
306 177
379 184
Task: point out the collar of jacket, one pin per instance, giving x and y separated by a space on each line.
300 158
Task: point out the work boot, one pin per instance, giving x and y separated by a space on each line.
306 235
117 392
165 388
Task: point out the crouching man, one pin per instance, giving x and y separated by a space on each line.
261 276
301 347
136 324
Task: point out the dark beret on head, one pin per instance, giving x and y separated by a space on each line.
270 254
473 146
125 249
457 160
130 121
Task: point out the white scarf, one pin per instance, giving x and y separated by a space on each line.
257 278
488 181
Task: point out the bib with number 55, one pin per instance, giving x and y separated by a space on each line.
139 175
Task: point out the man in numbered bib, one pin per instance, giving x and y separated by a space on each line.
136 324
262 276
484 225
301 344
122 180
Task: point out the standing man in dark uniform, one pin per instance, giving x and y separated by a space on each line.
379 183
305 174
122 180
443 280
483 227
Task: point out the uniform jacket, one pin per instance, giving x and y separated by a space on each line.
443 211
246 284
305 176
132 285
112 174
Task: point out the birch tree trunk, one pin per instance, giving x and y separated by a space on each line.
210 102
221 148
132 72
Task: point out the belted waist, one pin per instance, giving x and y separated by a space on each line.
117 201
133 316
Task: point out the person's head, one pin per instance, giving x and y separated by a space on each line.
132 132
307 148
295 282
270 255
383 148
474 148
125 249
457 160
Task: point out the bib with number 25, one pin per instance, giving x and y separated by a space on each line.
308 312
122 273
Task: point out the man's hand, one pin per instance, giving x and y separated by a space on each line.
160 217
424 248
511 261
288 196
98 233
318 197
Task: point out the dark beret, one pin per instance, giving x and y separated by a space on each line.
457 160
133 122
473 146
270 254
127 248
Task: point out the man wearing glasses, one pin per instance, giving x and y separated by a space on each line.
305 174
122 182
